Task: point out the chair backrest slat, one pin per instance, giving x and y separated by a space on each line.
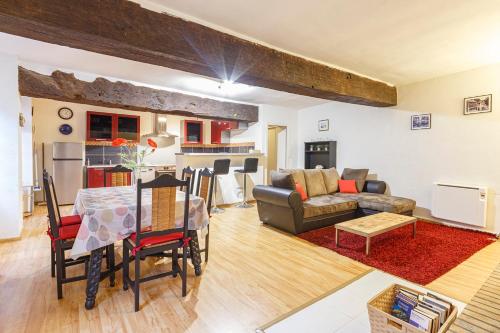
205 187
117 176
189 173
163 200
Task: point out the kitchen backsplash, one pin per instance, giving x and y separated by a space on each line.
97 155
242 149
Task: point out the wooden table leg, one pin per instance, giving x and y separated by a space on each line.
336 237
93 277
194 250
414 229
367 245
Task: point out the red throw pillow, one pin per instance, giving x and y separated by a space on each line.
347 186
300 189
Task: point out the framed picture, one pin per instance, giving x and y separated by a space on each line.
323 125
478 104
421 121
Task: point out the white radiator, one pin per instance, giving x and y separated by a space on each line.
460 203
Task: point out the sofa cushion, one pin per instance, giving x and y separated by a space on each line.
380 202
282 180
301 191
327 204
359 175
298 176
331 179
315 182
347 186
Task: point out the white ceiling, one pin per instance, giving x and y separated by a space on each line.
396 41
45 58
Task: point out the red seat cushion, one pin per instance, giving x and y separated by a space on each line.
154 240
69 220
68 232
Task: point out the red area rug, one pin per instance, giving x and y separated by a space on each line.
435 250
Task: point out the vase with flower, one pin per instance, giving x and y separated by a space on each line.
133 159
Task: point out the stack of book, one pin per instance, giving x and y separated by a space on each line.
427 312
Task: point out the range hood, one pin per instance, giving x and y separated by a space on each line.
160 134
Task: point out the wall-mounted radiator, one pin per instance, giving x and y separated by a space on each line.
460 203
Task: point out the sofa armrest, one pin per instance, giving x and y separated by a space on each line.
375 186
277 196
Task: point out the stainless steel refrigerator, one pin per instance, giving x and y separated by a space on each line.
67 159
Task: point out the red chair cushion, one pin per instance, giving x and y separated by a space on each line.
69 220
69 232
154 240
347 186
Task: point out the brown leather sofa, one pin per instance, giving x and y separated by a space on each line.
280 205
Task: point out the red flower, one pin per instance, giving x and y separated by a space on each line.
152 143
119 142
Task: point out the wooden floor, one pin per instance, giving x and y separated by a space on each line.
482 314
254 274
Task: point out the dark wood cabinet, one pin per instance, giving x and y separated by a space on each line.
109 126
322 153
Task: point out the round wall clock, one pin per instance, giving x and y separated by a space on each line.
65 113
65 129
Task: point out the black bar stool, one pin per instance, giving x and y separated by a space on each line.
221 167
250 166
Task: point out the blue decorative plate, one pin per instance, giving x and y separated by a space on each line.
65 129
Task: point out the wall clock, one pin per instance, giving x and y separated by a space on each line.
65 129
65 113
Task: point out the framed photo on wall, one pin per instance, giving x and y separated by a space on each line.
421 121
323 125
477 104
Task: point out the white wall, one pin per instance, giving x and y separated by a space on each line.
10 147
458 148
27 142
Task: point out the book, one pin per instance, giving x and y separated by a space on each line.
438 303
402 307
421 321
441 312
432 315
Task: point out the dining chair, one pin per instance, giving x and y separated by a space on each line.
205 190
117 176
62 238
190 173
162 236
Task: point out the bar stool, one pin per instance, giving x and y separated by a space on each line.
221 167
250 166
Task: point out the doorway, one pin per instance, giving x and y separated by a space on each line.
276 149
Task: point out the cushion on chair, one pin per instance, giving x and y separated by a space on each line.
282 180
331 178
298 176
327 204
155 240
69 220
315 182
69 231
359 175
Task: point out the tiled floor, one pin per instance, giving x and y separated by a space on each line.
345 310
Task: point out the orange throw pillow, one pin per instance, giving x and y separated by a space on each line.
301 191
347 186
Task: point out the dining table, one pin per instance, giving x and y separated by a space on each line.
109 214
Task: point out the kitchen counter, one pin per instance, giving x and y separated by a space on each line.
230 186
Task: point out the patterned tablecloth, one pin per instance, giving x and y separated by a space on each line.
109 214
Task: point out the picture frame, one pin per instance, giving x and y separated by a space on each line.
323 125
478 104
421 121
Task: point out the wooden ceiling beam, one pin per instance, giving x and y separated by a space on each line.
124 29
102 92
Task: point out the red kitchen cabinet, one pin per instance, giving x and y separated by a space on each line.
217 126
109 126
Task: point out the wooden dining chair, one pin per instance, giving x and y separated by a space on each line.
117 176
62 238
205 189
162 237
189 173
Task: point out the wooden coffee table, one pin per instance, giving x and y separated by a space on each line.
374 225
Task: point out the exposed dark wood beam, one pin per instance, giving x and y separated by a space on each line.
102 92
124 29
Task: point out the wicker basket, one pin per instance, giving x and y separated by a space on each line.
381 320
